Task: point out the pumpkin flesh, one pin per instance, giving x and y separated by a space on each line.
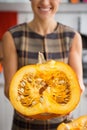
45 90
77 124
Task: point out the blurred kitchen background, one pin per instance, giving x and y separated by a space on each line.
72 13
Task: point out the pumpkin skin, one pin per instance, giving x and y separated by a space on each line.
77 124
44 91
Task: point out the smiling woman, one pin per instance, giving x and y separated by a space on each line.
21 45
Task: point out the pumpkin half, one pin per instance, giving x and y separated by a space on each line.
44 91
77 124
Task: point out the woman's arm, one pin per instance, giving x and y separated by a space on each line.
75 58
10 63
9 60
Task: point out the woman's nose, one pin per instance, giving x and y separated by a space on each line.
45 2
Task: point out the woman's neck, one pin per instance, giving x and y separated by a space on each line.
43 28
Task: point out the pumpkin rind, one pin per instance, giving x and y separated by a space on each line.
77 124
50 88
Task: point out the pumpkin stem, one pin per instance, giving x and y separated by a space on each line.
41 58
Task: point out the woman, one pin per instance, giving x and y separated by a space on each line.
22 43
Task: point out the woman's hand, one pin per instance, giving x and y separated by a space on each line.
82 87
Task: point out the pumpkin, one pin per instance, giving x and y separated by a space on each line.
45 90
77 124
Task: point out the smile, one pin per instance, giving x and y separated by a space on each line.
45 9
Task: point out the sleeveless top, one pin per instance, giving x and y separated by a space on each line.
55 45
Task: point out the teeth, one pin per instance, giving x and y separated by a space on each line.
45 9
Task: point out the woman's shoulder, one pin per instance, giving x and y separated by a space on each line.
18 30
66 31
65 27
18 27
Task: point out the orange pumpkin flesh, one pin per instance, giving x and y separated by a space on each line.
77 124
44 91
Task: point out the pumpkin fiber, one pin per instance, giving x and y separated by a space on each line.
44 91
77 124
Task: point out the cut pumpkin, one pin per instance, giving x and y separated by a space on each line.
44 91
77 124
